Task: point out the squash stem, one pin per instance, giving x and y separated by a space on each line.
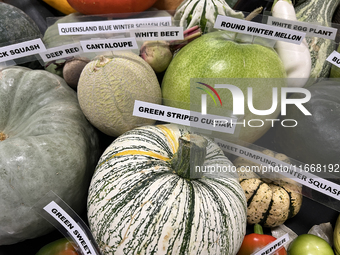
2 136
191 153
258 229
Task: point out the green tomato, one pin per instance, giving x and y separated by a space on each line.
308 244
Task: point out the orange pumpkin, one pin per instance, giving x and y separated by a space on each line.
124 8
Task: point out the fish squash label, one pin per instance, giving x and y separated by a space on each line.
22 49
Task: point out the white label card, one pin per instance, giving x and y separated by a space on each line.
300 173
75 231
97 45
184 117
334 58
258 29
22 49
310 29
158 33
60 52
274 246
110 26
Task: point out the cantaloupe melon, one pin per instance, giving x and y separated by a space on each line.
108 87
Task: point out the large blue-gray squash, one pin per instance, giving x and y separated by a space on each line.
46 144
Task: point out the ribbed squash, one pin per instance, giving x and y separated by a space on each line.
320 12
46 144
203 13
270 201
142 202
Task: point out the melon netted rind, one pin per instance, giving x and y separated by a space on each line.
108 87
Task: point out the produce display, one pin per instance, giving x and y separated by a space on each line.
169 127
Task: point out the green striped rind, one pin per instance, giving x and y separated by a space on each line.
321 12
203 13
136 205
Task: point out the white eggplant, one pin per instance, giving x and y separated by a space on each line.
295 57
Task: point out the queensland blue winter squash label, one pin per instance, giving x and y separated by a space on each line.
97 45
314 30
23 49
258 29
61 52
111 26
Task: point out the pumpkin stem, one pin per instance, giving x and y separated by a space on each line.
191 153
2 136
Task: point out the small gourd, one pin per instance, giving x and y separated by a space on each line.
270 201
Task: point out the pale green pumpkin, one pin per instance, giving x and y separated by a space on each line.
46 144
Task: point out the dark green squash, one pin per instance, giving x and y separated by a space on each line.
316 138
16 25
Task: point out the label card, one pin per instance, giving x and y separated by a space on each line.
158 33
61 52
110 26
334 58
73 229
274 246
22 49
310 29
184 117
97 45
258 29
301 173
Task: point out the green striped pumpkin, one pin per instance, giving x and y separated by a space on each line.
320 12
203 13
137 204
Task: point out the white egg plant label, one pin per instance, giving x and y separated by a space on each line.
258 29
310 29
110 26
22 49
61 52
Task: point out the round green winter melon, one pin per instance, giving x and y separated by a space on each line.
108 87
214 56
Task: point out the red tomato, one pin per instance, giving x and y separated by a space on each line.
124 7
